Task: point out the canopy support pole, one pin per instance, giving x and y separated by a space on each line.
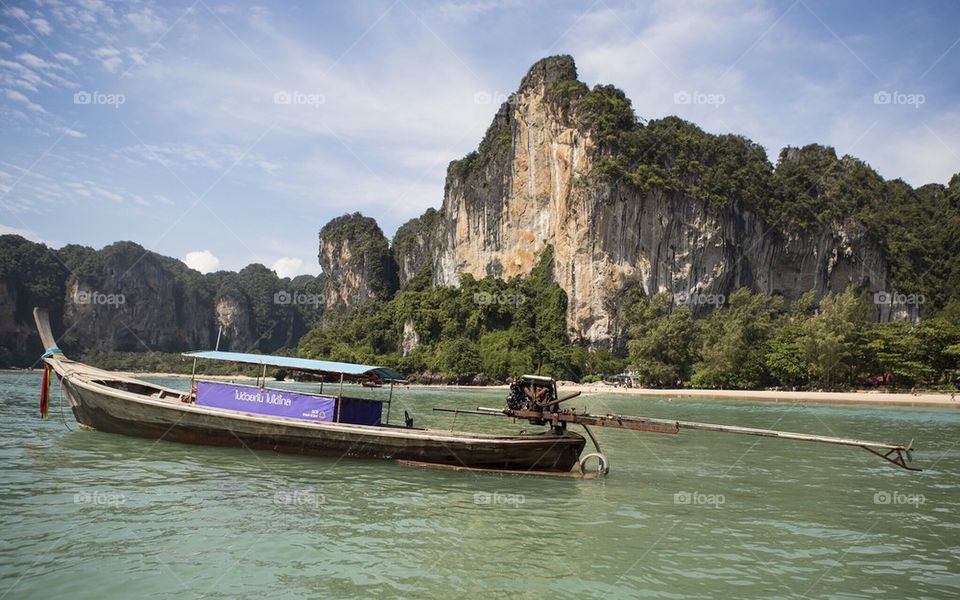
340 399
193 376
264 382
389 402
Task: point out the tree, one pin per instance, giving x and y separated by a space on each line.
661 350
783 358
730 355
829 340
459 358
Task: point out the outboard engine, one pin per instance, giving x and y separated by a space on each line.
537 394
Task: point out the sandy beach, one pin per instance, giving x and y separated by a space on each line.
858 397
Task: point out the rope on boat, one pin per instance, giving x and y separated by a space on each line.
62 418
603 465
44 391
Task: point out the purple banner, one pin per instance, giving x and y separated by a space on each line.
266 401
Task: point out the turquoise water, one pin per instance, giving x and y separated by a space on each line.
696 515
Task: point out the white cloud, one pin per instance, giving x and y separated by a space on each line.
26 85
15 95
33 60
29 234
202 260
109 58
147 22
18 97
69 58
73 133
287 267
210 156
41 25
7 230
18 13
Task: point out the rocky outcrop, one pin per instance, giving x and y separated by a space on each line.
126 298
133 300
415 244
536 181
237 331
31 275
410 339
356 261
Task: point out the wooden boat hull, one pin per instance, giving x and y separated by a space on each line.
107 402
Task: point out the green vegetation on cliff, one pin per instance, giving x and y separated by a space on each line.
33 274
809 188
490 330
367 251
30 275
414 246
486 327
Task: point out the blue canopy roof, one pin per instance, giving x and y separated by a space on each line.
322 367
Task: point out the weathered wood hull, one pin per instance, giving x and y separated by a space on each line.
107 402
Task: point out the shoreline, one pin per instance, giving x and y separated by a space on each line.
868 397
938 399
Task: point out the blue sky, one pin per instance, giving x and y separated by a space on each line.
230 133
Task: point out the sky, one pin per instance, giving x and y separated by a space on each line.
228 133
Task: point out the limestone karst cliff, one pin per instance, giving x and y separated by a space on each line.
414 246
661 206
356 261
125 298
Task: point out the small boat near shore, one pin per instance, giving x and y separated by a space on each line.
258 417
219 414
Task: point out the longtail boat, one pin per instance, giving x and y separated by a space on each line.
259 417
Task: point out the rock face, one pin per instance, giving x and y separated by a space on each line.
18 338
356 261
415 244
533 183
125 298
31 275
132 301
410 340
235 316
